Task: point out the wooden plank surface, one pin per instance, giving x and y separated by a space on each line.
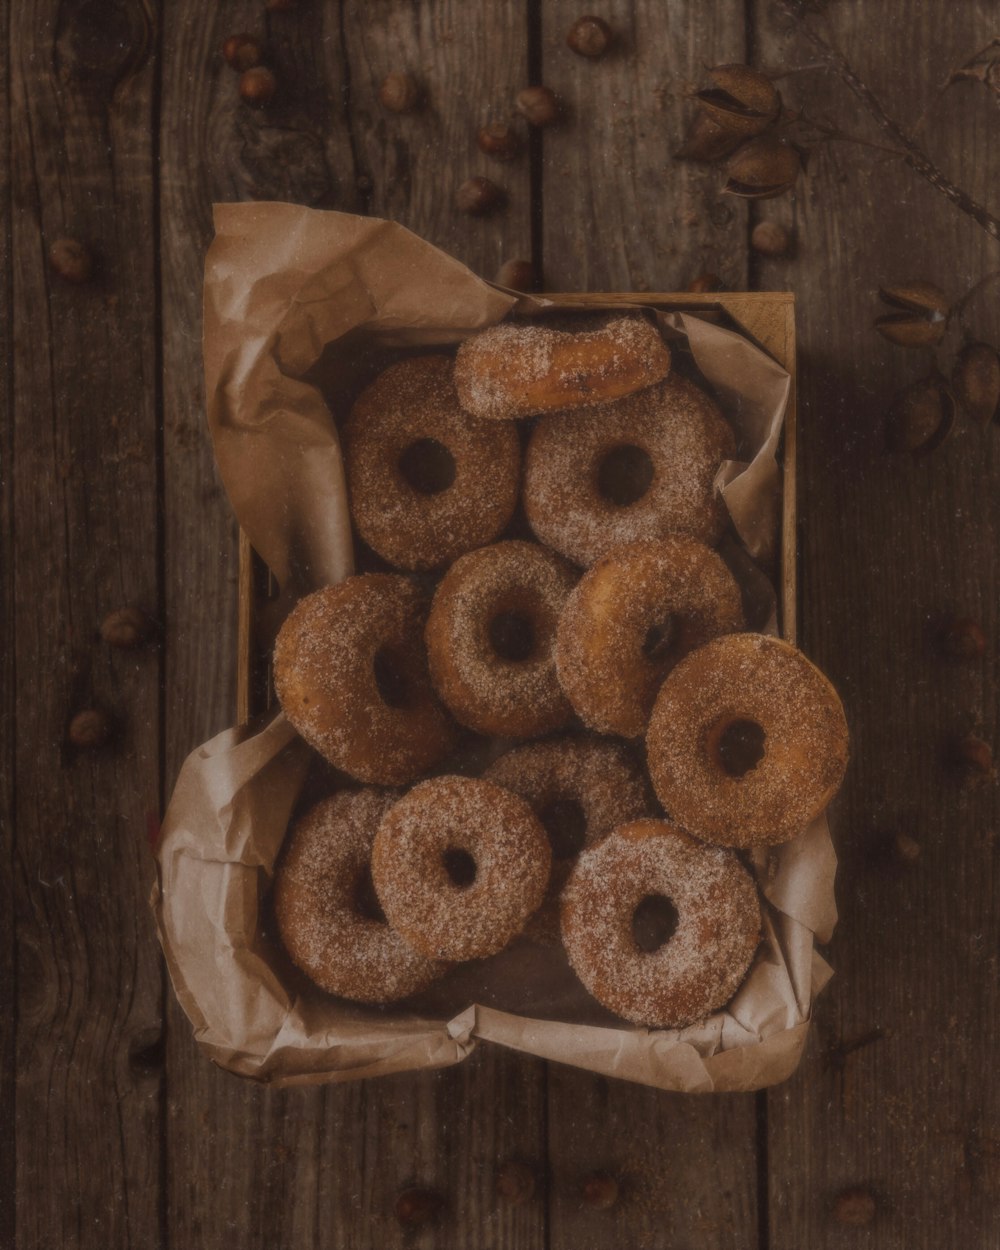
890 547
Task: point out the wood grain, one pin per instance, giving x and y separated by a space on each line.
85 512
890 547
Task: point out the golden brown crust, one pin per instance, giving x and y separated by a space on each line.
610 656
686 439
409 403
327 682
701 965
500 834
518 369
765 681
488 692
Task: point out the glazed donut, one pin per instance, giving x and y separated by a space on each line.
628 621
519 368
459 865
490 639
326 909
350 673
642 467
747 742
579 788
702 962
426 481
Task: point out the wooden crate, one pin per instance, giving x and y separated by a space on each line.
768 318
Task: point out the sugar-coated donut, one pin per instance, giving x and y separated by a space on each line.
580 788
747 742
642 467
702 962
350 671
491 635
459 865
426 480
631 617
519 368
323 901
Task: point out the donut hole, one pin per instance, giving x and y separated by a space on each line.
512 636
654 923
460 866
661 638
390 677
427 466
624 475
739 746
566 826
366 904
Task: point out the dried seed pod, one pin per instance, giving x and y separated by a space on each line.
706 141
973 757
976 381
854 1206
921 317
518 275
962 639
741 100
515 1182
89 729
243 51
399 93
499 140
763 168
590 37
770 238
71 260
126 628
538 106
478 196
416 1207
921 417
599 1191
258 85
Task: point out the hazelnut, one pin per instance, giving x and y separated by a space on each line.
71 260
478 196
500 140
416 1207
590 37
538 105
770 239
705 283
399 93
962 639
599 1191
974 759
518 275
126 628
243 51
258 85
854 1206
89 729
515 1182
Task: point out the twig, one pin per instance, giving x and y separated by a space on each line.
913 154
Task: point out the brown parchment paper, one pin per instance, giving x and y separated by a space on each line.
293 295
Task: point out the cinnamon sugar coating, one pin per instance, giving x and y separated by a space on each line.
410 403
318 899
632 616
701 965
329 658
747 678
488 691
683 434
496 830
520 368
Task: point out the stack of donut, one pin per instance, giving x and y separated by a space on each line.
616 624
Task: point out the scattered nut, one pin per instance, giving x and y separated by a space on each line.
538 105
515 1182
399 93
921 416
770 238
243 51
706 141
126 628
89 729
71 260
974 759
976 381
417 1207
599 1191
478 196
764 167
905 849
258 85
518 275
962 639
500 140
705 283
741 100
854 1206
590 37
922 315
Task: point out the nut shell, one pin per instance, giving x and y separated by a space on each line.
741 100
763 168
976 381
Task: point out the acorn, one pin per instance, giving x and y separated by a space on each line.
258 85
538 106
89 729
499 140
478 196
921 416
126 628
590 37
515 1182
976 381
71 260
770 238
854 1206
706 141
518 275
399 93
763 168
243 51
921 317
742 100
